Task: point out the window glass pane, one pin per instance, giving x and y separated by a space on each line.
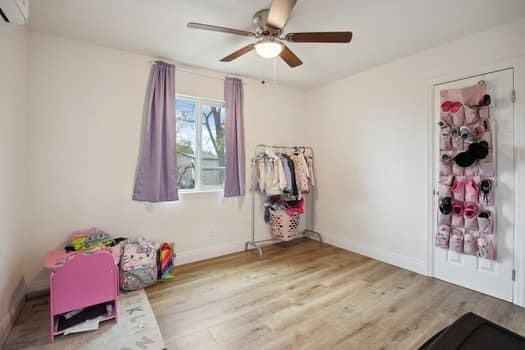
212 151
186 111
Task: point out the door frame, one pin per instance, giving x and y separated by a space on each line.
518 64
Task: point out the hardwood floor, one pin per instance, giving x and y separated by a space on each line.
307 297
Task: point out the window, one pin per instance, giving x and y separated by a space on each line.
200 144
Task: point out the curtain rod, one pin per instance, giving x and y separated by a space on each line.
204 75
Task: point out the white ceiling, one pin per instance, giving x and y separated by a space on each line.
384 30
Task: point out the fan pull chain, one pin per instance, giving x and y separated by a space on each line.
274 74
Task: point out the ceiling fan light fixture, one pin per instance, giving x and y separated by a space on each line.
268 48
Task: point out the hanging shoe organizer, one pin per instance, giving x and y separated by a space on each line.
467 173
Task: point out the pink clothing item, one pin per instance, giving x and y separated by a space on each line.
297 209
301 172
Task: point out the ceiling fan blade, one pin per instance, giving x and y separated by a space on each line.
289 57
219 29
279 13
238 53
319 37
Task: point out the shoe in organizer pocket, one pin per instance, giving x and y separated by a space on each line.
457 219
486 191
470 211
487 246
458 188
456 239
442 236
472 189
455 110
485 220
470 245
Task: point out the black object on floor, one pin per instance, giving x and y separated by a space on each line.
472 332
88 313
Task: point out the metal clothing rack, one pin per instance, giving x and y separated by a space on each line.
308 232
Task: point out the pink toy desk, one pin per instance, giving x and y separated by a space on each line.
83 280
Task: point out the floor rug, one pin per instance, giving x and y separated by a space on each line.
136 329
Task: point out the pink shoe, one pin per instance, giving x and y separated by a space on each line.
455 109
485 221
456 240
457 214
471 216
472 189
458 188
469 244
442 236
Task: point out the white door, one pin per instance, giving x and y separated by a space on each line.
490 277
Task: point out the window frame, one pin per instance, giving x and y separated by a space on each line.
199 102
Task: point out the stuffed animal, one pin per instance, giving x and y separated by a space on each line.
469 244
486 248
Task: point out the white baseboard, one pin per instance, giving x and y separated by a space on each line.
15 307
190 256
389 257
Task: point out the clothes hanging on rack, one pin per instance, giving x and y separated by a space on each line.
284 210
284 173
270 173
301 172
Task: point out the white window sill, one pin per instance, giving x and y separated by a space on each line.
215 190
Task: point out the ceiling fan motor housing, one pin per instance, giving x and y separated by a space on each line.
260 19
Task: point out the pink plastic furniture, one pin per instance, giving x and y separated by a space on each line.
84 280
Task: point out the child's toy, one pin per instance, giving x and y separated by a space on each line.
166 254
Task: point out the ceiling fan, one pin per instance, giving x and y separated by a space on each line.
268 34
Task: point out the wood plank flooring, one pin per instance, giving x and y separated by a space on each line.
309 297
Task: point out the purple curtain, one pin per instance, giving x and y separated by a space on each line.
156 179
234 182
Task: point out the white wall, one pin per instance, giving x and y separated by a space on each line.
85 116
371 130
12 169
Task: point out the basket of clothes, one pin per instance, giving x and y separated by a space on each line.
284 226
284 217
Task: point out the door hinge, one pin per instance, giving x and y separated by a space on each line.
513 96
514 274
